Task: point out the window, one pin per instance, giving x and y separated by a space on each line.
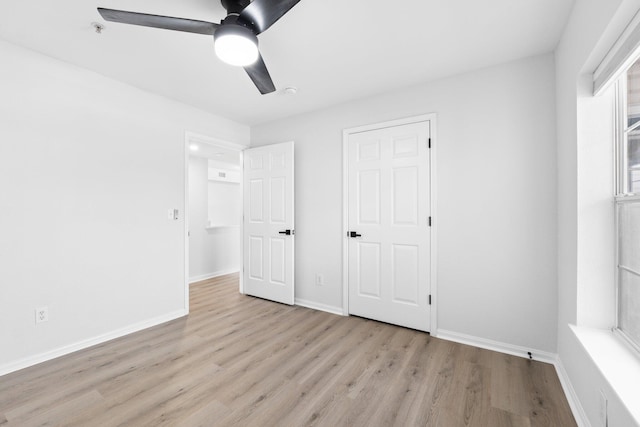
627 204
630 153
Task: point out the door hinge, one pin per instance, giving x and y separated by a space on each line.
429 221
429 142
429 299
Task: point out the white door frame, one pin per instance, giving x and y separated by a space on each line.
431 118
191 138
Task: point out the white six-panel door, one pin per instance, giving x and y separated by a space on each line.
388 223
268 214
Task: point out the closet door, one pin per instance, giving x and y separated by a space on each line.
388 222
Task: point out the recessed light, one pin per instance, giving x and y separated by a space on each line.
194 147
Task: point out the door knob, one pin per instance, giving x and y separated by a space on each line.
353 234
287 232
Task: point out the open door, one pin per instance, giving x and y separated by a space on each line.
268 239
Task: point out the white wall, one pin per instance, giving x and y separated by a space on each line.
88 169
585 211
216 251
496 189
225 202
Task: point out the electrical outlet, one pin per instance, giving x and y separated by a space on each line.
319 279
42 314
602 409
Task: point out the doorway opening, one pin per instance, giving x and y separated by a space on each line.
213 209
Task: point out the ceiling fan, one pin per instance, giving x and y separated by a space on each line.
235 38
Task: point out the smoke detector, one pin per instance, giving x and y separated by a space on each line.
98 27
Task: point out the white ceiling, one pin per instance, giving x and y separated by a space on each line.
217 154
331 50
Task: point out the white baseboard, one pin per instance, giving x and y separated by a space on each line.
574 403
318 306
202 277
515 350
81 345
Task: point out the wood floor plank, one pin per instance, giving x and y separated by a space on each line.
500 418
323 388
414 408
509 390
208 415
238 360
55 414
263 394
547 396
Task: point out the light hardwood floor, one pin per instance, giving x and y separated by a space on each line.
242 361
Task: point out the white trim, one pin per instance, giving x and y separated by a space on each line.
616 362
431 119
241 279
81 345
390 124
620 57
185 213
514 350
318 306
433 208
574 402
345 222
629 270
627 198
204 139
207 276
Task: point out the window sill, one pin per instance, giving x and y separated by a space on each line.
617 362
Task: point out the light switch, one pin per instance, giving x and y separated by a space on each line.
172 214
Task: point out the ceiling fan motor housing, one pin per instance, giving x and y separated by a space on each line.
234 6
235 29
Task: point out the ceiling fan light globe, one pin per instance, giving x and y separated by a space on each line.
236 45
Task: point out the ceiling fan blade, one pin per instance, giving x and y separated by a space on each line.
261 14
260 76
158 21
